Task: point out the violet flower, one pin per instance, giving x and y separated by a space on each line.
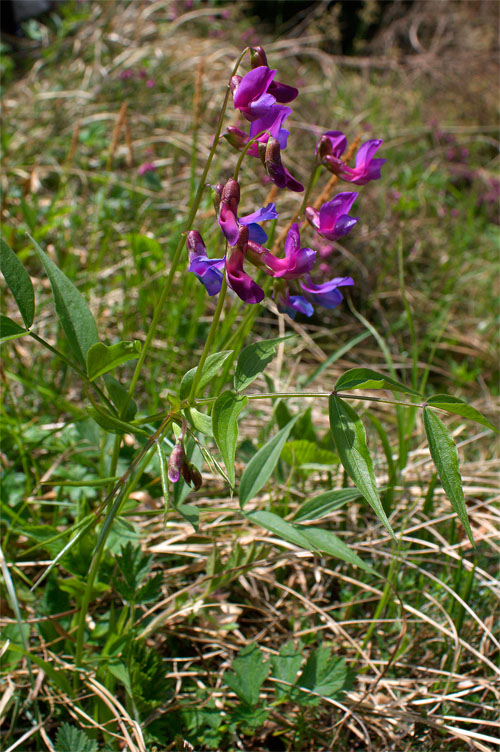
292 304
146 167
269 124
250 95
237 279
297 262
326 294
255 232
282 92
210 272
228 218
331 144
332 220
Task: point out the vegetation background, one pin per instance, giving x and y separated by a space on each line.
95 96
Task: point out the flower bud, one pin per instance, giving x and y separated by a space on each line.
235 136
273 164
175 462
257 57
231 194
191 475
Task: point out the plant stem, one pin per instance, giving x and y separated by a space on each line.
209 341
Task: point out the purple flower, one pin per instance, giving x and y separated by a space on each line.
209 271
250 92
274 167
228 217
175 462
297 262
292 304
237 279
327 294
367 168
282 92
126 74
145 167
271 123
332 220
332 144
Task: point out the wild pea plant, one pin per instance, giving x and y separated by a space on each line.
213 394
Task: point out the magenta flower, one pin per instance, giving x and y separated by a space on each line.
237 279
332 220
209 271
282 92
327 294
297 262
367 168
126 74
250 92
146 167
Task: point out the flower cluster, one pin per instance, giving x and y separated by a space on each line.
261 100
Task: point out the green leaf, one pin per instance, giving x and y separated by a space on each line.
286 666
249 673
118 395
103 358
328 543
262 464
459 407
210 369
71 739
10 330
18 281
445 456
112 424
200 421
325 503
71 308
225 414
350 439
365 378
58 677
302 452
309 538
253 359
324 673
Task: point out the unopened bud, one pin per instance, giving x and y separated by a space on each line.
273 164
257 57
175 463
235 136
231 194
191 475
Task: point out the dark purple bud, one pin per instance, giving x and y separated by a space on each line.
191 474
257 57
231 194
331 143
175 462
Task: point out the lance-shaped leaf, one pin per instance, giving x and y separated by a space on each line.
325 503
18 281
10 330
459 407
71 308
365 378
253 359
225 414
210 369
350 439
445 456
262 464
103 358
310 538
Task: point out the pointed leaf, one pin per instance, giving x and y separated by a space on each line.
225 414
262 464
445 456
285 666
200 421
71 308
18 281
328 543
350 439
118 395
10 330
459 407
325 503
253 359
103 358
324 673
280 527
210 369
112 423
365 378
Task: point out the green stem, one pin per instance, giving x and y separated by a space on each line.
312 182
209 341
